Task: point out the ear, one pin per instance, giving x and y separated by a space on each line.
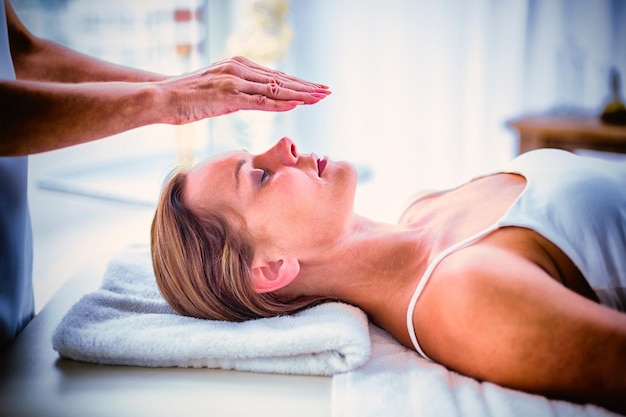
270 276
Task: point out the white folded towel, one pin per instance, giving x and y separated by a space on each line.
127 322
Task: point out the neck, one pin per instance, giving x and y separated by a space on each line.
376 268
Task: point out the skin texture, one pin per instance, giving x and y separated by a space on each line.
510 308
62 98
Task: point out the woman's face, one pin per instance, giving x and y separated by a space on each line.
291 202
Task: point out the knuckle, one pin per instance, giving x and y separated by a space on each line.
229 82
277 80
274 85
273 88
230 67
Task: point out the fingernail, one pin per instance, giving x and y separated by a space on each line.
318 95
322 91
295 102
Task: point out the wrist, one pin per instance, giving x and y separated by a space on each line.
155 98
170 100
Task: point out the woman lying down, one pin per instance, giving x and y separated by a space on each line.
514 278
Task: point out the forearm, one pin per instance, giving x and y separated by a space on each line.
50 61
37 117
39 59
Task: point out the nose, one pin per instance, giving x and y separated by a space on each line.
287 151
284 151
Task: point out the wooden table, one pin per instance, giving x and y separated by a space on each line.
569 133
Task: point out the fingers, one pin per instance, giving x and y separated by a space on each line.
268 74
250 71
271 73
275 91
240 84
271 90
277 86
262 102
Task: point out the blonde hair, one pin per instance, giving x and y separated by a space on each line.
202 263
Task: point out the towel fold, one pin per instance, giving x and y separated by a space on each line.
127 322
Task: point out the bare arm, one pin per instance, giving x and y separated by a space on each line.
38 117
39 59
62 98
497 317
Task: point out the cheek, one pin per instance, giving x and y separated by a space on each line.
300 212
296 222
343 188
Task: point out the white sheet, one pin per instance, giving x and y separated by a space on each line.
397 382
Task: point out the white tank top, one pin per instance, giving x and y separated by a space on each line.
577 203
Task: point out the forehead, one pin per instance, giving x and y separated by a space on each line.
212 178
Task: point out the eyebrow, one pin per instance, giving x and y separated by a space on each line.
238 170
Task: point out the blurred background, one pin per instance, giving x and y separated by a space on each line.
422 92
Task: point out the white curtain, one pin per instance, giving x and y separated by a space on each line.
422 89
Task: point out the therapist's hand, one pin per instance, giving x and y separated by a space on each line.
231 85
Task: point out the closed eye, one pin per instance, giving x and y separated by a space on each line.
260 176
265 175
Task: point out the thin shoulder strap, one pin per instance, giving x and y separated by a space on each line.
426 277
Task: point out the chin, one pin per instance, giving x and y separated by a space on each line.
350 179
349 168
354 175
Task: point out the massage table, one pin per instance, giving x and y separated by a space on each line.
35 381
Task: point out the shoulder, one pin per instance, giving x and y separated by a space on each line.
494 316
478 298
472 286
484 266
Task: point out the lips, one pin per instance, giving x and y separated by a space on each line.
321 164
